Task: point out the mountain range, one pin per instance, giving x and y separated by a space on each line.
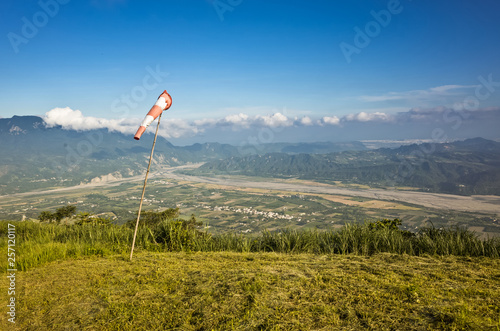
465 167
35 156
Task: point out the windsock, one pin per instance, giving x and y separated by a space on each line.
163 103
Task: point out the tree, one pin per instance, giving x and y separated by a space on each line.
386 224
193 222
392 225
151 218
87 218
46 216
63 212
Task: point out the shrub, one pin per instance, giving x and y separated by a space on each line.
67 211
87 218
385 224
151 218
46 216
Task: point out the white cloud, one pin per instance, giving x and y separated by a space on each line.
241 120
74 120
431 93
176 128
445 88
237 119
275 120
206 122
368 117
306 120
331 120
447 114
71 119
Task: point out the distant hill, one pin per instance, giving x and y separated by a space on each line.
34 156
310 148
463 167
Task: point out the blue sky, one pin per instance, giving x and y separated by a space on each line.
236 65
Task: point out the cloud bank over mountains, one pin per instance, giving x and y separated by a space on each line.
454 119
70 119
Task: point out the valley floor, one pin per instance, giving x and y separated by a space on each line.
252 204
258 291
478 203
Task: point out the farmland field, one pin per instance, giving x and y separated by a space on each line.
239 205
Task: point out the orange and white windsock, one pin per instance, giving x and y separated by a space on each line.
163 103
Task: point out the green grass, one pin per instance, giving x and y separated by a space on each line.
260 291
79 277
38 243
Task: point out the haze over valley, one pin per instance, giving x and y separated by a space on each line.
45 164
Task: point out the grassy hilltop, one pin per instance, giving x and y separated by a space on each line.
371 276
261 291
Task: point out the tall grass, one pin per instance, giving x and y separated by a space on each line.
40 243
37 243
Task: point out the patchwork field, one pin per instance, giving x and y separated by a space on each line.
224 206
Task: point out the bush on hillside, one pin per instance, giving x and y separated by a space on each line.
151 218
60 213
88 218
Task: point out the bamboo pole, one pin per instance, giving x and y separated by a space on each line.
144 188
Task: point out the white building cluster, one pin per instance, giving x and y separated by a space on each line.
250 211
